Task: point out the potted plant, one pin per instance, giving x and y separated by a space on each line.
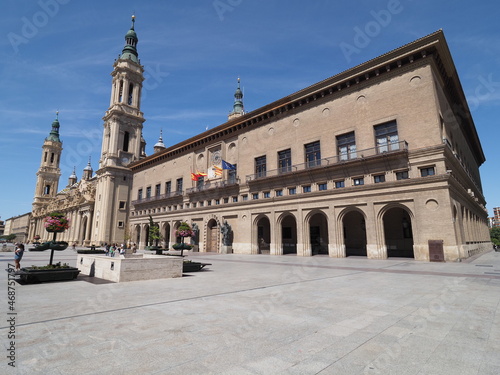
184 230
154 237
55 222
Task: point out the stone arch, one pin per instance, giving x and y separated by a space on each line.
397 230
352 222
212 234
287 233
83 232
136 235
165 234
262 234
316 232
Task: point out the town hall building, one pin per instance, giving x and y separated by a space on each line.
381 160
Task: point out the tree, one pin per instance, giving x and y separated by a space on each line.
495 235
154 232
9 237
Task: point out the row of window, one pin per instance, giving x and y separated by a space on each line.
386 139
356 181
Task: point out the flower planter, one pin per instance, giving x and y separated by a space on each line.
30 275
91 252
181 246
188 266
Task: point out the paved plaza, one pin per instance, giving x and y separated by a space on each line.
261 314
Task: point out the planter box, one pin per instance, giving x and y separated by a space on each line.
193 266
91 252
57 274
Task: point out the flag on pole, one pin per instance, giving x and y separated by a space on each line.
226 165
217 170
194 176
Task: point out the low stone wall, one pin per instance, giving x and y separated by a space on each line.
130 268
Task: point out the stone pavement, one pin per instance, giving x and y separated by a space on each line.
262 314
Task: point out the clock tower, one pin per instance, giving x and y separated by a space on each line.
122 143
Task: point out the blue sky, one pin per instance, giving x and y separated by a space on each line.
58 55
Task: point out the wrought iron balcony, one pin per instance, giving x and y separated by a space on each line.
213 185
154 198
333 160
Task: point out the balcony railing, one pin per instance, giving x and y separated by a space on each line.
213 185
333 160
158 197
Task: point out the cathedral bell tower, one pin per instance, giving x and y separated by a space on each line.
48 174
121 144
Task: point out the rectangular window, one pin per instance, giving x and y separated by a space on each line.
267 194
260 166
306 189
202 204
122 205
279 193
179 185
285 161
386 137
157 189
231 175
322 187
358 181
346 146
120 224
313 154
292 191
139 194
226 200
148 192
429 171
209 203
339 184
255 196
235 199
245 197
217 201
403 175
379 178
200 182
168 187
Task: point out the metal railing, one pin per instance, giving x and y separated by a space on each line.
158 197
333 160
212 185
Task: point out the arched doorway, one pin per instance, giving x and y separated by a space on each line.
264 235
137 234
146 235
289 235
398 233
318 234
166 235
84 229
354 233
212 236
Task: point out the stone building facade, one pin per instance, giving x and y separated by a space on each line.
381 160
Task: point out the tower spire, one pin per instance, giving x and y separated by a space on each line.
130 49
238 108
159 145
54 133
